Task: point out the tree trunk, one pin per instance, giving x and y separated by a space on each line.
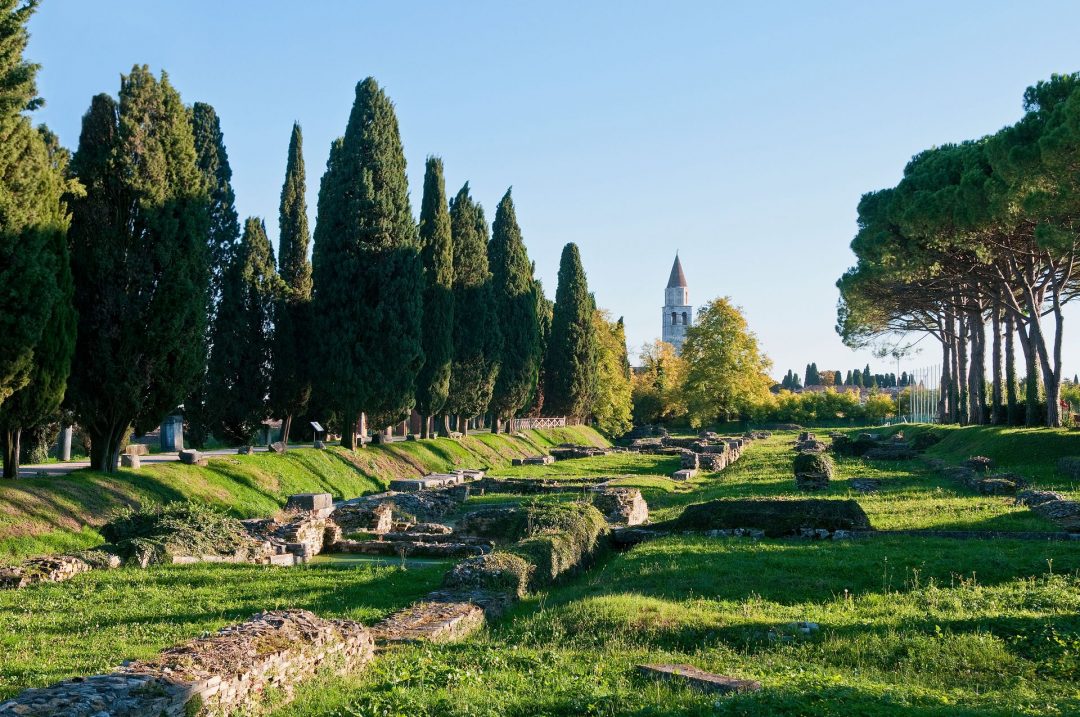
962 371
977 372
944 412
105 448
995 365
446 425
1010 371
425 426
496 424
286 428
11 439
348 431
463 425
1031 380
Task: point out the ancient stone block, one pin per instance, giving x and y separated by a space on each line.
698 679
684 474
310 502
245 450
48 569
621 506
130 460
277 447
137 449
445 616
191 457
690 460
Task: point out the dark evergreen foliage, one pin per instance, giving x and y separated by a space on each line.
290 386
140 263
571 353
242 336
39 400
31 210
515 296
436 251
476 336
367 273
224 233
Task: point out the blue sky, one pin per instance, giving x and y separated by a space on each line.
739 134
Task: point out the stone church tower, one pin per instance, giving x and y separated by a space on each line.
678 314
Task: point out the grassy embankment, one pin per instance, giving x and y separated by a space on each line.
48 515
908 625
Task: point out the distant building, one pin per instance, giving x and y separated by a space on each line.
678 314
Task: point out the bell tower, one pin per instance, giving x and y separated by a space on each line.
678 314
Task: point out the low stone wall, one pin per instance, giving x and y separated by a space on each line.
443 616
412 548
226 673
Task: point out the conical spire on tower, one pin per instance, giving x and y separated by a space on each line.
677 278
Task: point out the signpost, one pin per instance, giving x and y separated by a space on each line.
320 433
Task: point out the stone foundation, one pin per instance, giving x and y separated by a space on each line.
48 569
621 506
210 677
444 616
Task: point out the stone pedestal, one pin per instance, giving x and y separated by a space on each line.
172 434
63 444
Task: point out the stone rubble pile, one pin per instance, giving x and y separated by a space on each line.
1053 506
570 450
215 676
48 569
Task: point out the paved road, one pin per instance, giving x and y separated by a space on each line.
59 469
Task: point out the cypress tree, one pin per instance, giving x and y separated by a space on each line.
515 297
40 398
224 232
366 269
544 309
476 336
290 386
31 209
242 336
436 251
571 356
139 259
866 376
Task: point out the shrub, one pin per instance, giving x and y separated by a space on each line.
777 517
152 534
814 463
497 572
925 439
559 537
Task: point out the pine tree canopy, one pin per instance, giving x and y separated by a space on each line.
476 336
242 336
367 273
290 387
515 296
140 262
436 251
572 351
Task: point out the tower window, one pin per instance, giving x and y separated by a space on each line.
674 319
684 322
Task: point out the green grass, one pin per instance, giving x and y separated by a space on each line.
93 622
925 627
55 514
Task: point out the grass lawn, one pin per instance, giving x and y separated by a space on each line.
907 626
95 621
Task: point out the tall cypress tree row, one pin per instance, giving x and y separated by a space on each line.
476 336
240 359
140 264
224 232
290 386
437 254
367 274
40 398
571 355
31 209
515 297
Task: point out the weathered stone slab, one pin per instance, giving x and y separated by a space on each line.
698 679
277 447
130 460
192 457
684 474
137 449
